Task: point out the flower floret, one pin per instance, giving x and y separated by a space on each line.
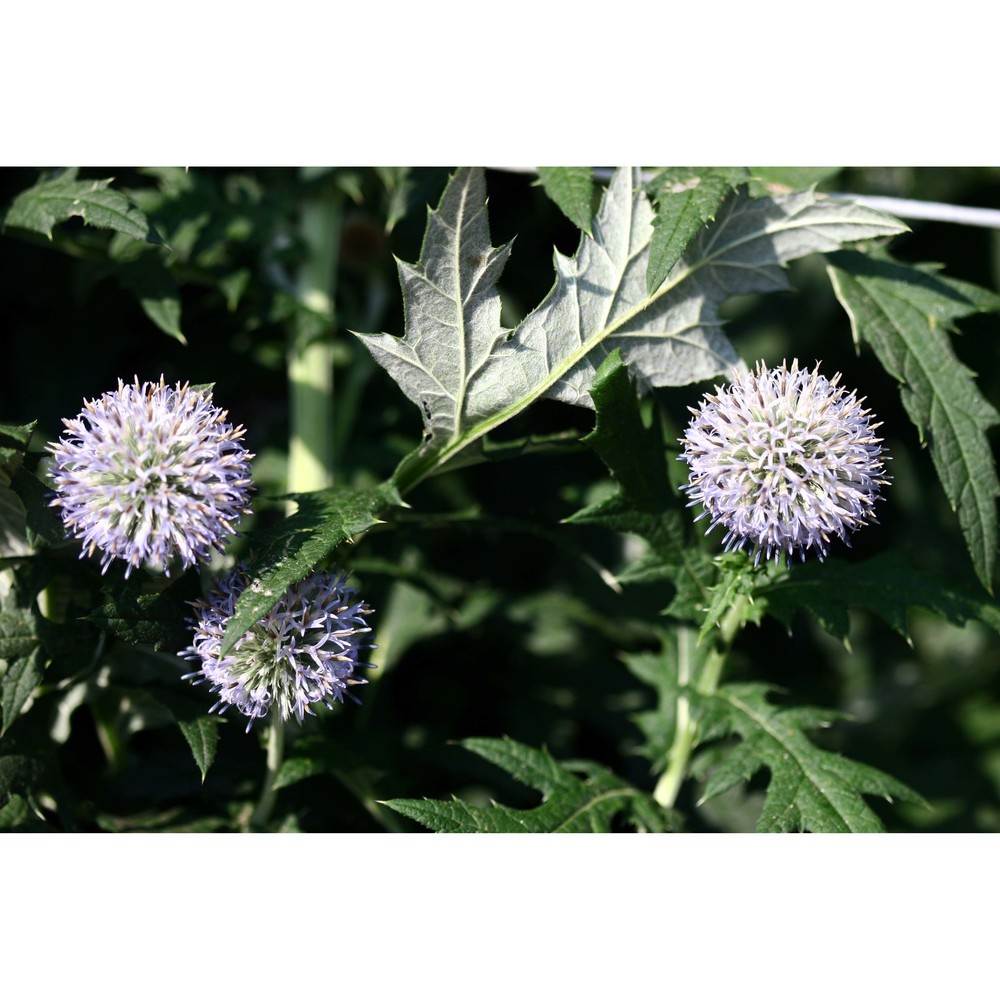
151 473
785 460
303 652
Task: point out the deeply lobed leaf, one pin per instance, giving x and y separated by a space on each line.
469 375
570 804
809 788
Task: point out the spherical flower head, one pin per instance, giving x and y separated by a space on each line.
784 459
305 650
150 473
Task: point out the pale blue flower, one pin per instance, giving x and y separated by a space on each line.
785 460
151 473
304 651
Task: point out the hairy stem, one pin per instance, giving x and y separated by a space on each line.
275 755
709 674
310 347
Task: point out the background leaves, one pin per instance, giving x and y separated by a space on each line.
905 315
519 597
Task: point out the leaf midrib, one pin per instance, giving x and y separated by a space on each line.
763 724
982 504
462 440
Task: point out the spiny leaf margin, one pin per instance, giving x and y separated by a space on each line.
904 314
810 788
570 804
286 554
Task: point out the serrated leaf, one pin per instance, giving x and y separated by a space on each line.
55 199
14 440
886 585
468 374
297 769
202 737
155 620
153 284
570 804
738 578
686 198
809 788
672 337
572 189
43 523
659 671
452 317
632 451
20 679
905 314
645 504
286 554
18 633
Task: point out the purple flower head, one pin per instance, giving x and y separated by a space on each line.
150 473
303 651
783 459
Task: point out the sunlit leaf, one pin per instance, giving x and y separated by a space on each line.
572 189
55 199
468 374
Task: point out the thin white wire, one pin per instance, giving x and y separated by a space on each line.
937 211
903 208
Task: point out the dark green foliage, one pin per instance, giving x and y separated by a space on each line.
809 788
570 804
572 189
905 315
686 199
291 551
55 199
542 594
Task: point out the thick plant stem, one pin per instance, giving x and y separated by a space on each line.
310 393
275 755
685 730
310 348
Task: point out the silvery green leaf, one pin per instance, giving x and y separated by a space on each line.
674 336
468 374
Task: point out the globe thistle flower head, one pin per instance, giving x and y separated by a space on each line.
785 460
151 473
304 651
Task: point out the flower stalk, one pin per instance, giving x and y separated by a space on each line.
709 673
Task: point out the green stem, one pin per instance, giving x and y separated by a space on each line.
686 729
310 347
310 392
275 756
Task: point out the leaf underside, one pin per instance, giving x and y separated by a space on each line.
468 374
